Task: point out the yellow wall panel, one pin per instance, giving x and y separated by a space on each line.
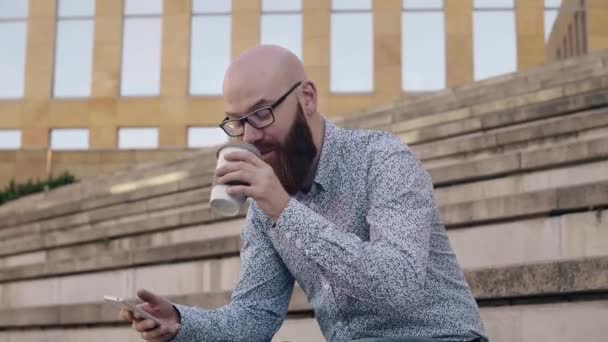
172 136
530 33
597 28
103 137
459 42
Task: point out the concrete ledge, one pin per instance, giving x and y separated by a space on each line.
102 191
563 125
540 203
111 213
563 277
107 230
64 230
469 171
482 122
196 250
546 202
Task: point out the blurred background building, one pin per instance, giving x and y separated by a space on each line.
142 75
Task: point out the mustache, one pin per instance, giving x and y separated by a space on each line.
269 146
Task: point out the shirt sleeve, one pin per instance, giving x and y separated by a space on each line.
401 216
259 302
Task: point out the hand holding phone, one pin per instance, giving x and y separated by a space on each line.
123 303
160 321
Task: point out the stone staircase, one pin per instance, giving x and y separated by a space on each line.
520 167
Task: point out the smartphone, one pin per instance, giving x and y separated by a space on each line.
123 303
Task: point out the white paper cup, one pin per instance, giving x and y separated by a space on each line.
220 200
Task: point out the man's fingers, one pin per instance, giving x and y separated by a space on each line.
126 315
236 177
247 157
231 167
161 334
240 190
145 325
149 297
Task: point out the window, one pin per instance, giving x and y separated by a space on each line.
551 12
70 139
281 24
199 137
141 51
423 65
495 46
74 48
137 138
10 139
13 42
209 46
352 46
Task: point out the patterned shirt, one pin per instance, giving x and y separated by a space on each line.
365 244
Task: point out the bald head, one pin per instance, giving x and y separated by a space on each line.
265 65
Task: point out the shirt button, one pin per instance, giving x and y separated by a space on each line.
299 243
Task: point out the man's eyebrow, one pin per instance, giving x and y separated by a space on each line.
260 103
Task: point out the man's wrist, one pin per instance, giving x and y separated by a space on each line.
277 216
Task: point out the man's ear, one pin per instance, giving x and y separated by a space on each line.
309 97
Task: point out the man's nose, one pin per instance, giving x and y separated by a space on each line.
251 134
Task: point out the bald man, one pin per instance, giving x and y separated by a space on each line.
348 214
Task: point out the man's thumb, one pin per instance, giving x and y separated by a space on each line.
149 297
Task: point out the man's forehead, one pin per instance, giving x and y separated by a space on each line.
241 97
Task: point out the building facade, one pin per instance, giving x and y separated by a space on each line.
146 74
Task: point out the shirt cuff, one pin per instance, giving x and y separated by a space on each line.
187 331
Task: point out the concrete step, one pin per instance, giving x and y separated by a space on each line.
472 170
47 234
530 204
544 239
196 232
541 203
116 212
470 206
523 133
519 147
142 181
18 238
507 323
562 280
566 176
537 106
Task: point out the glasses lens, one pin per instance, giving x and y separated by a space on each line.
261 118
233 127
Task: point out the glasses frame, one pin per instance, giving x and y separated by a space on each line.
245 119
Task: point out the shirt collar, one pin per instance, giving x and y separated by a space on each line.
325 163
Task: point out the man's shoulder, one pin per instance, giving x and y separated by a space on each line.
373 143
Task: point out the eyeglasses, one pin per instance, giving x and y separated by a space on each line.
259 118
